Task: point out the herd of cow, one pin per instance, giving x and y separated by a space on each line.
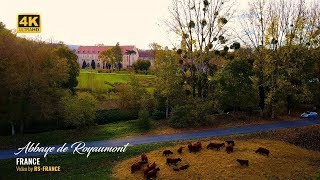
151 170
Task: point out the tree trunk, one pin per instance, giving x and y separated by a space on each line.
272 112
12 128
167 108
21 125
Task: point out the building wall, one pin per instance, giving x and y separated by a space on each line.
89 57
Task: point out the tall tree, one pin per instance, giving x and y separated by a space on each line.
74 70
254 24
235 86
117 56
274 29
31 80
168 77
202 26
129 53
112 56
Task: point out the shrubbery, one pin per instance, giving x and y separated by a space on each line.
141 65
115 115
79 110
144 121
194 113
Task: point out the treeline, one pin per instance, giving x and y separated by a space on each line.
37 86
271 66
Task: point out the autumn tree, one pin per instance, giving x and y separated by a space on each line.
112 56
129 53
203 27
74 70
235 86
277 30
168 78
31 81
141 65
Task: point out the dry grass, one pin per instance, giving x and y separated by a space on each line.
285 162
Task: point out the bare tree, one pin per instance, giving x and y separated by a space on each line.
273 29
202 26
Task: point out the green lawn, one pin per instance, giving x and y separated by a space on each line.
102 82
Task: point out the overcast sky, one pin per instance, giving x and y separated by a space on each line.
130 22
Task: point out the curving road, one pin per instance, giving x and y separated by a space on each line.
9 154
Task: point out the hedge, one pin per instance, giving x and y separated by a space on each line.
115 115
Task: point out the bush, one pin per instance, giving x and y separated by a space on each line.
181 116
192 114
144 121
79 110
141 65
115 115
157 114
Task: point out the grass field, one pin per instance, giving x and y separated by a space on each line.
111 131
76 166
99 132
285 162
103 166
102 82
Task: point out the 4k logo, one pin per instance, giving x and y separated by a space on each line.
28 23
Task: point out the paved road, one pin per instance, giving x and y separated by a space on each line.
8 154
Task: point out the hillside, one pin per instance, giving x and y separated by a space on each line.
285 162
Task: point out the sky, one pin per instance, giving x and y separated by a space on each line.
77 22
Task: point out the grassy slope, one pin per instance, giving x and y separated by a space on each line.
99 132
101 82
286 161
100 165
75 166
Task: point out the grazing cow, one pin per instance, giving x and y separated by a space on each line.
167 152
184 167
149 168
190 147
198 145
180 149
176 169
173 161
243 162
229 149
263 151
230 142
153 173
136 166
195 147
215 146
144 158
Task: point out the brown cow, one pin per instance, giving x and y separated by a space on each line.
180 149
198 145
167 152
136 166
215 146
149 168
195 147
153 173
173 161
144 158
230 142
229 149
243 162
176 169
263 151
184 167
